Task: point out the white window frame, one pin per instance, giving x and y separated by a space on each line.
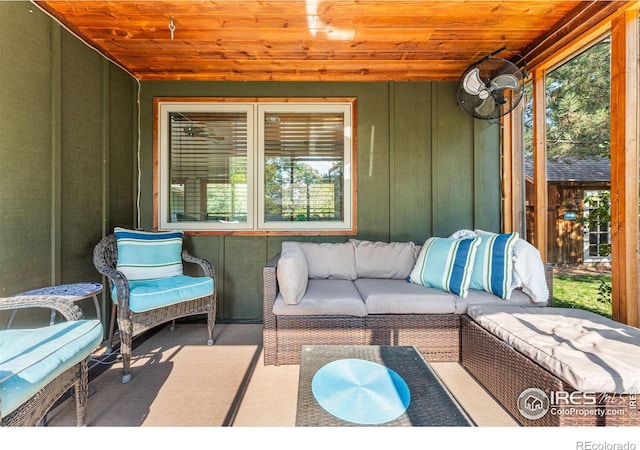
344 224
163 183
255 109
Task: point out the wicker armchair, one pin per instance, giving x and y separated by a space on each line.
39 365
132 323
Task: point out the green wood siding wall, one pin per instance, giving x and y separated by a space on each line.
68 166
69 154
425 168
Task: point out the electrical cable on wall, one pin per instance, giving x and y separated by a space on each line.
138 219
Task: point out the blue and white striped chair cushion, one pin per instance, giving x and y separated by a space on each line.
446 264
144 255
493 267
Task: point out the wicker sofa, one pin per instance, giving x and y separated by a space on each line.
358 292
547 366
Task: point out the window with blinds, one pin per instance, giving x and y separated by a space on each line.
208 166
236 165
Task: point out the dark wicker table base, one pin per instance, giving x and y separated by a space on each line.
431 403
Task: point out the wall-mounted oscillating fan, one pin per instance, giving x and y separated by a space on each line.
490 88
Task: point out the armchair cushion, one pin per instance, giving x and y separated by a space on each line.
30 359
145 295
144 255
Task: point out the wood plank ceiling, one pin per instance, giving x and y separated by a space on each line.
322 40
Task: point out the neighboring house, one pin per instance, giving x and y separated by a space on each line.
571 180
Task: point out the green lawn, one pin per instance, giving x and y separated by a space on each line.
582 291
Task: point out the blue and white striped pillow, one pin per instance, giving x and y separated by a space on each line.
145 255
493 267
446 264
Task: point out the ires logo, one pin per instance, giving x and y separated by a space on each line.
562 398
534 403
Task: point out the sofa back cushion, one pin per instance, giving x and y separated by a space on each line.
330 260
393 260
292 273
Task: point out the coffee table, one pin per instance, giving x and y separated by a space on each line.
431 404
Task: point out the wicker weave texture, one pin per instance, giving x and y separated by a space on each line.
296 331
132 324
506 373
436 336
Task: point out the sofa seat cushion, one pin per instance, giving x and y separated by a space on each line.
484 298
324 298
30 359
146 295
586 350
402 297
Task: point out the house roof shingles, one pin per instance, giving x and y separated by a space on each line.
592 169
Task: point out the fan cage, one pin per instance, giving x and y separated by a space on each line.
488 69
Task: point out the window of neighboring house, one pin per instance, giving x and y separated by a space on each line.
258 166
597 227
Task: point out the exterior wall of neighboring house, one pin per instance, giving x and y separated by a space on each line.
568 182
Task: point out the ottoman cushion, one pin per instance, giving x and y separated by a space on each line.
590 352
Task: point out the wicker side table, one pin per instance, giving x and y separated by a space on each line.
74 292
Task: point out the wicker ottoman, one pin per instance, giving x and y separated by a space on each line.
513 377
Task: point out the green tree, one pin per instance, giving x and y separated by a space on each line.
577 106
287 184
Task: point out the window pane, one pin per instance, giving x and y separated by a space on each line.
304 166
208 166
